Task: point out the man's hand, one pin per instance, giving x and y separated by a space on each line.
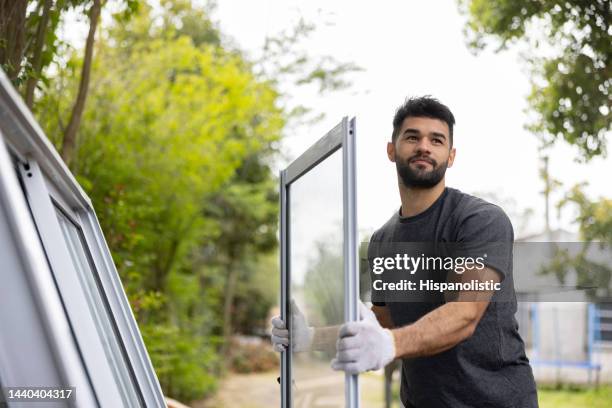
301 333
364 345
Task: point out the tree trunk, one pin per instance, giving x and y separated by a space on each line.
39 45
70 134
164 266
228 303
12 32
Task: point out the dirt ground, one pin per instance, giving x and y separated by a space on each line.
261 390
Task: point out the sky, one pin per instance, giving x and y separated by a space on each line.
412 48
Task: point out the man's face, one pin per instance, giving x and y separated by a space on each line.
422 152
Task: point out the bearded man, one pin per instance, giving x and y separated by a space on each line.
459 352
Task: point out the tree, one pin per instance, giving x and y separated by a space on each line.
175 149
70 133
246 210
13 32
168 127
324 282
286 62
37 53
570 96
29 44
569 59
595 221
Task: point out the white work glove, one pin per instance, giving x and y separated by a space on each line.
363 345
301 334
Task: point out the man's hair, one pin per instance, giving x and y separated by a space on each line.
423 107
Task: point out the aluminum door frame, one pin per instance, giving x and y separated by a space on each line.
342 136
47 178
36 345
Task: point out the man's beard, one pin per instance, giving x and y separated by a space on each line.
420 178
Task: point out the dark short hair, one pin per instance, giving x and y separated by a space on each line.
424 107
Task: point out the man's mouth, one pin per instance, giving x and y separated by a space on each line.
422 160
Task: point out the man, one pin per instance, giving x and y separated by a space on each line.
461 353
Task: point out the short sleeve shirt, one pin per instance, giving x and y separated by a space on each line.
490 368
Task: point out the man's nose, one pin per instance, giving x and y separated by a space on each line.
423 146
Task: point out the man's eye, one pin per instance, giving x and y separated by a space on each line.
412 138
437 141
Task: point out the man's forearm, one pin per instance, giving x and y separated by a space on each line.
439 330
324 338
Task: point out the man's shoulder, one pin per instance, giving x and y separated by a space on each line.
468 205
386 230
479 217
460 210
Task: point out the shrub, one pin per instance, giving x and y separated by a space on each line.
252 356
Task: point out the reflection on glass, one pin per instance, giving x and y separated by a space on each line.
81 261
317 283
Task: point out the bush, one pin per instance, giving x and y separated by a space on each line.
252 356
185 364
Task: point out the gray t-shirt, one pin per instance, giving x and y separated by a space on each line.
490 368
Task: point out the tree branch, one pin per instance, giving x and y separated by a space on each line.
70 135
12 32
39 45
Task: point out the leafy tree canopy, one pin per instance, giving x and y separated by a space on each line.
569 58
172 130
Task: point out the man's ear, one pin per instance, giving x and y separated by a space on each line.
451 157
391 151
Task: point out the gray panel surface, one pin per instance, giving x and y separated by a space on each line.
340 137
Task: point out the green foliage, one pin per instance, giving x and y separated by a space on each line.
175 19
253 358
175 149
256 294
173 152
166 127
246 208
185 364
570 96
285 58
595 220
571 88
573 397
53 48
287 62
594 217
324 283
180 18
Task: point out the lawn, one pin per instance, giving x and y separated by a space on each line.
548 397
576 398
260 390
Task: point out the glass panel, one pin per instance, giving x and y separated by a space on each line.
317 283
81 261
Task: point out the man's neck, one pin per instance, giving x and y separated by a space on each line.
417 200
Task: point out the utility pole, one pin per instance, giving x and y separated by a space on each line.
547 188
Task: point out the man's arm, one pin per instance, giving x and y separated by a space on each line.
324 337
439 330
383 316
449 324
317 338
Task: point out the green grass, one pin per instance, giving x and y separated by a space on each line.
575 397
565 397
